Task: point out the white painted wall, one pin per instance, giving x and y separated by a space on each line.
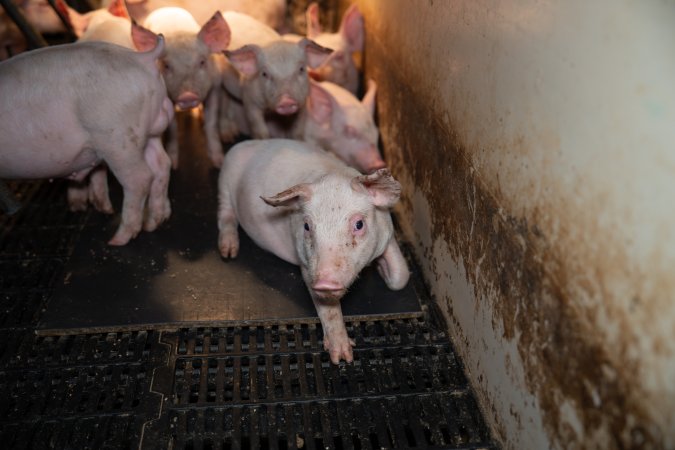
565 114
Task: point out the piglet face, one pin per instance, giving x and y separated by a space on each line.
340 226
277 72
188 70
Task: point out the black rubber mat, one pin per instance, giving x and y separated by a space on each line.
175 275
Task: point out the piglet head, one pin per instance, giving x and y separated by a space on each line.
188 67
279 71
339 68
340 225
346 129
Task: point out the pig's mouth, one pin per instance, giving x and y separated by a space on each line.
287 110
187 100
330 294
188 104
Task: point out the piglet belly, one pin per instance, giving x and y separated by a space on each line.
45 147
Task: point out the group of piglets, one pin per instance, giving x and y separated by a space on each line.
309 187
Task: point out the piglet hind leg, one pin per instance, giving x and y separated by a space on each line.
393 267
98 194
228 236
158 205
135 177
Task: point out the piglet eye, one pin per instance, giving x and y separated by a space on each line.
306 226
302 70
358 225
202 63
264 74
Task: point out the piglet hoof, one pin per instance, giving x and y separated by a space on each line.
339 348
228 244
217 159
122 237
74 206
77 199
103 206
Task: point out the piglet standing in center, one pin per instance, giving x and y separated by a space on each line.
191 69
310 209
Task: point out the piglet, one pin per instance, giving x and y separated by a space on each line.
191 69
274 80
45 20
315 212
337 121
339 68
269 12
66 109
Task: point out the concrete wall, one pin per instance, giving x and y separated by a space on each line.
536 144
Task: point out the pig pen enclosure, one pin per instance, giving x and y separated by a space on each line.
162 343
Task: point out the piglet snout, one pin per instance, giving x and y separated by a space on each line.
287 106
326 288
187 100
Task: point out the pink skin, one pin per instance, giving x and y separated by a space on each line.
340 67
80 125
338 122
270 12
335 120
274 79
107 25
326 217
191 69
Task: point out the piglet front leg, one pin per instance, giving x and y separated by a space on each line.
335 339
228 236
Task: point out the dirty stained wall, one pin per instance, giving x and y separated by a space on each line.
536 144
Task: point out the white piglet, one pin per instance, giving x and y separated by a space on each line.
68 108
192 68
273 80
310 209
340 67
338 122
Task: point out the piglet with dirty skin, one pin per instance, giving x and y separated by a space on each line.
68 108
310 209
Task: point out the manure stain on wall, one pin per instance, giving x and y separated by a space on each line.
563 356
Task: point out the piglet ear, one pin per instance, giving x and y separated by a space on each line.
351 28
316 54
312 18
118 8
320 103
369 98
382 187
245 59
215 33
299 192
144 39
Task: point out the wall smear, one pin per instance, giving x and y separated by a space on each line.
567 336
